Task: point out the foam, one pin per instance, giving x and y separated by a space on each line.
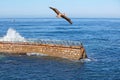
36 54
84 60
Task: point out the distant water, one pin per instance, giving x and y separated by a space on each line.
100 37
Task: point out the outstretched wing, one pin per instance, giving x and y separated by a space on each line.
55 10
68 19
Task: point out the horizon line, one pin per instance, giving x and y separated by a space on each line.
57 18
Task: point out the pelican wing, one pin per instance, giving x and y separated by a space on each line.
66 18
55 10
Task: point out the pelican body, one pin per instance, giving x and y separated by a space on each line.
61 15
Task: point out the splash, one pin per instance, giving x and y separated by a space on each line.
13 36
85 60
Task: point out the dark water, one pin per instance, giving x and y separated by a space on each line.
100 37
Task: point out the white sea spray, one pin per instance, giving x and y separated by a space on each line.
13 36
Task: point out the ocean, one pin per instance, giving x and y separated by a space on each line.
100 37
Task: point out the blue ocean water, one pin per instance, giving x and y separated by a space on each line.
100 37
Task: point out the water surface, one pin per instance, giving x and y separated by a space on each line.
100 37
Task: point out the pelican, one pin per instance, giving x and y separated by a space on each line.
61 15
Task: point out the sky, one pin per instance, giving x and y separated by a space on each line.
72 8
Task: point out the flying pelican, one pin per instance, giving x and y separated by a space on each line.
61 15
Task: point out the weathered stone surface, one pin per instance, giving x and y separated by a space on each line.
69 52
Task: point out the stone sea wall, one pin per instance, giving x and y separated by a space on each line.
69 52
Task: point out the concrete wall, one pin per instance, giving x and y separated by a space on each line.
69 52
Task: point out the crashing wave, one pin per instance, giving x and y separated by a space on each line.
13 36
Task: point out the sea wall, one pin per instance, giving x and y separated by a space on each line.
69 52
